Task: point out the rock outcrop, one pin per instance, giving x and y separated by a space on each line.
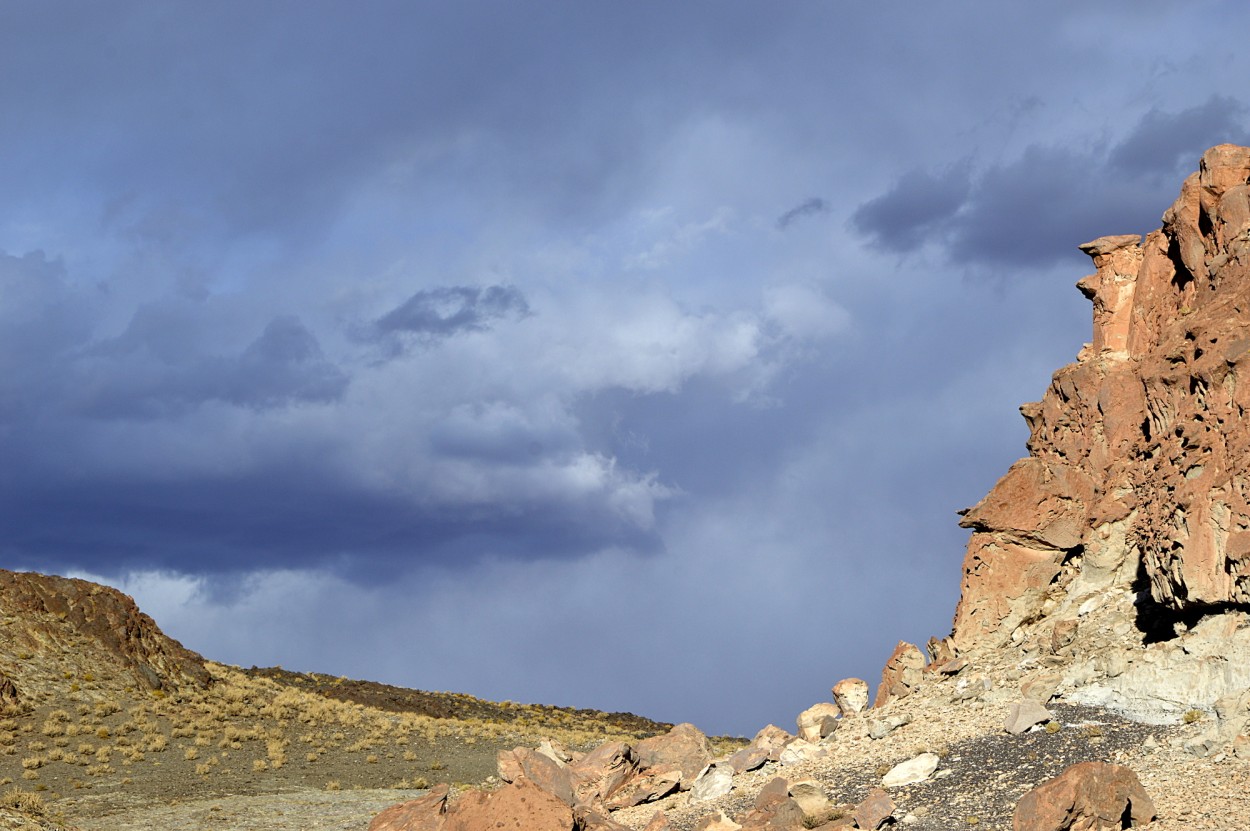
58 630
1118 552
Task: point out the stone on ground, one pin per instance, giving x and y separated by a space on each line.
913 770
1089 796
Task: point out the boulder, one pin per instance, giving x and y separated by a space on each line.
851 696
880 728
902 674
713 782
522 806
800 750
874 810
774 809
654 783
1024 714
749 758
427 813
1089 796
810 796
684 747
818 721
774 739
914 770
601 772
543 770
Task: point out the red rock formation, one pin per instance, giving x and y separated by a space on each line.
1138 474
46 614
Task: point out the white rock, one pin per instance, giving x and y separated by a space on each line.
714 781
800 750
851 695
913 770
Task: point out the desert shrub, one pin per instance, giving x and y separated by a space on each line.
24 801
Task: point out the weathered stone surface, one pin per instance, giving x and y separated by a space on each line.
810 796
684 747
655 783
800 750
818 721
659 822
589 819
715 781
913 770
1090 796
522 805
902 674
717 822
851 696
774 808
427 813
1025 714
600 773
880 728
874 810
542 769
748 758
1138 475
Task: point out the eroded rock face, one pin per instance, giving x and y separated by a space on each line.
47 615
1132 510
1089 796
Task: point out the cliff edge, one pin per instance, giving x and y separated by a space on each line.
1113 563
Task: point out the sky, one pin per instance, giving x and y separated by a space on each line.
633 356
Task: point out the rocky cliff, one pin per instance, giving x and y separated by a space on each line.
58 634
1113 563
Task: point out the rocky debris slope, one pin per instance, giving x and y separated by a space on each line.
1113 563
58 631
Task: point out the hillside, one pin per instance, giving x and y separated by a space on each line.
102 712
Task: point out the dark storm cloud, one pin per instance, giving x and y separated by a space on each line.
150 372
811 207
448 310
903 218
1027 212
1164 142
290 514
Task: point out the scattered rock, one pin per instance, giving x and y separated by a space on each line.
1024 714
799 750
810 796
521 805
714 781
659 822
851 696
902 674
684 747
880 728
1089 796
656 783
875 810
600 773
913 770
717 822
818 721
427 813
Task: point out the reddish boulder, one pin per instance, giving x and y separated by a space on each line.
428 813
1090 796
874 810
522 806
901 675
684 747
600 773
